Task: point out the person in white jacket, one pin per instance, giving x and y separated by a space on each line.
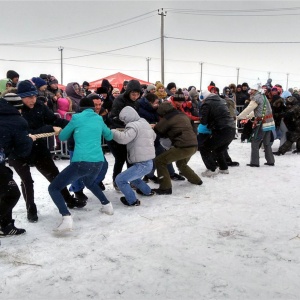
139 137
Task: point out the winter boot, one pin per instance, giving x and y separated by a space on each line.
141 193
223 171
10 230
177 177
66 224
163 192
101 185
73 202
32 214
209 173
136 203
107 209
80 195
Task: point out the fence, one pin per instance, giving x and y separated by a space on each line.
59 148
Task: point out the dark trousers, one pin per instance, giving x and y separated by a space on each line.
46 167
9 196
213 146
119 152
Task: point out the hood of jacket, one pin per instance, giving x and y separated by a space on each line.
70 91
133 85
128 114
165 108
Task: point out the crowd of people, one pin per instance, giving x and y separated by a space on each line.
148 128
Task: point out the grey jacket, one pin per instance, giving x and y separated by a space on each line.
138 136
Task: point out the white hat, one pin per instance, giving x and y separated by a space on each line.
204 94
256 86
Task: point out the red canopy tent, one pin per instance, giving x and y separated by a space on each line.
116 80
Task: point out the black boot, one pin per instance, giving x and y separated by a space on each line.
136 203
32 214
177 177
73 202
10 229
80 195
163 192
102 186
141 193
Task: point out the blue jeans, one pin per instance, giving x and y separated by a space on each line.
78 184
87 171
133 175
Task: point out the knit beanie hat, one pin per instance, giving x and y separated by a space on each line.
171 85
159 85
193 93
26 89
179 96
38 82
150 87
11 74
52 80
212 83
13 99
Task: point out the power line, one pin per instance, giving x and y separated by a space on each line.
87 32
92 54
229 42
232 15
235 10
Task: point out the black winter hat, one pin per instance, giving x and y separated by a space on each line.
86 103
93 96
171 85
26 89
102 90
85 83
212 83
245 84
13 99
11 74
179 96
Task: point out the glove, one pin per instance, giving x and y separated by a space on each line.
203 129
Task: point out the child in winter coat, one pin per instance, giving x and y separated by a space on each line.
139 138
64 105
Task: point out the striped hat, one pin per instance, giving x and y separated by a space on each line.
13 99
26 89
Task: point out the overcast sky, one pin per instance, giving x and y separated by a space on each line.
37 28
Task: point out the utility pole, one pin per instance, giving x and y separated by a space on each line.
162 14
61 63
269 74
201 65
148 59
287 81
237 76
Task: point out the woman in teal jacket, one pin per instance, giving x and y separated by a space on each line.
87 129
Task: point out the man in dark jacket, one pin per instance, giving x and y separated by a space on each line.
216 132
176 126
129 98
14 137
40 120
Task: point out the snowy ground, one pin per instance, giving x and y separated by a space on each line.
234 237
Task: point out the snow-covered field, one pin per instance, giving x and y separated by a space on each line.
235 237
